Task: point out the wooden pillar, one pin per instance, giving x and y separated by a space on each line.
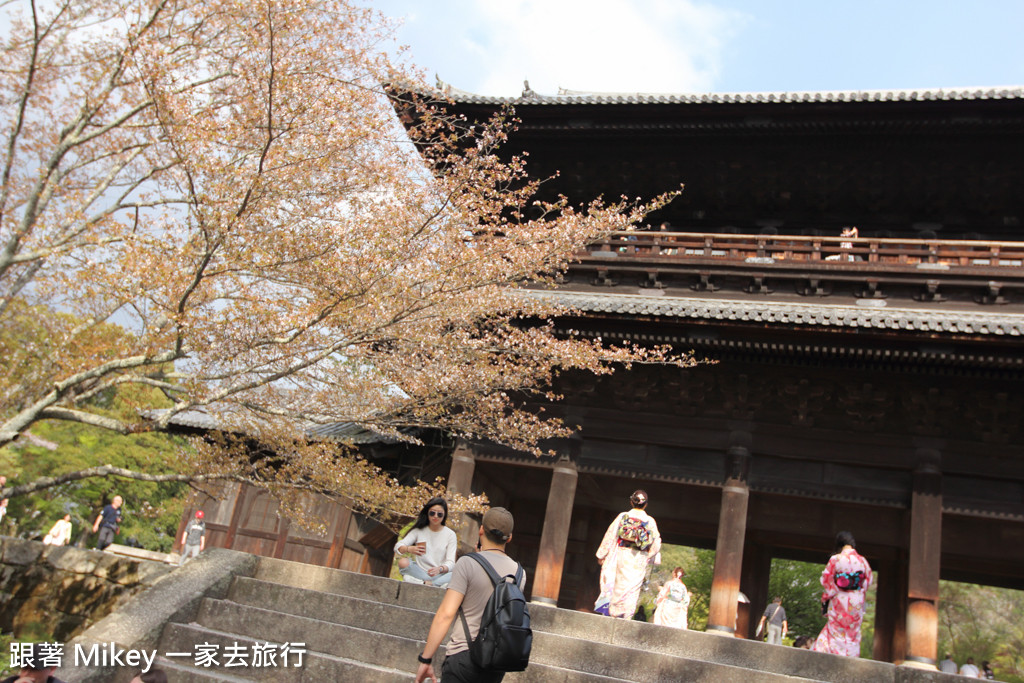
899 631
732 528
236 515
754 575
886 610
460 480
186 517
282 537
923 566
341 524
554 536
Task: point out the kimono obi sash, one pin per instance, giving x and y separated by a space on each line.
849 581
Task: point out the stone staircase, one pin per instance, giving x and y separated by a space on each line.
361 629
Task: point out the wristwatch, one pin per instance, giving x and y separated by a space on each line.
424 660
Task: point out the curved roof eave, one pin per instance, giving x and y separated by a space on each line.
987 323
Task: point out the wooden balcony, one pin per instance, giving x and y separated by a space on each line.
927 270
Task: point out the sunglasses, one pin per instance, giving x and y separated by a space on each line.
435 513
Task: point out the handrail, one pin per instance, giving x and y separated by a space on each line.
679 246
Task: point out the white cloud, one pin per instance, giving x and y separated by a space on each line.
595 45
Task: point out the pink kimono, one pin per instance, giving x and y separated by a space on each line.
846 579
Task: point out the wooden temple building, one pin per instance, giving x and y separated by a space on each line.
870 384
873 384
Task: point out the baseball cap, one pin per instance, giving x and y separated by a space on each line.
498 522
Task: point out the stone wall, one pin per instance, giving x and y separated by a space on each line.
55 593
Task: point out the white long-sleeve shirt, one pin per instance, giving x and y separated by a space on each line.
441 546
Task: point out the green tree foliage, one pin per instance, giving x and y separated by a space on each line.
799 584
152 510
983 622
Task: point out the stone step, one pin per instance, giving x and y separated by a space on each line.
392 617
182 673
388 618
751 655
316 666
320 666
358 643
340 582
394 643
640 665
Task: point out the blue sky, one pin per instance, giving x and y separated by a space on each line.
491 46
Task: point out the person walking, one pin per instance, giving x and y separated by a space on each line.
775 618
845 579
432 545
193 539
630 543
948 666
60 533
673 602
108 523
470 590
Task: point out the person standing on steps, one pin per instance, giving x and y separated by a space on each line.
432 545
631 542
673 602
845 579
470 589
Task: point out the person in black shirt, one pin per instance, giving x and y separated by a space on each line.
108 522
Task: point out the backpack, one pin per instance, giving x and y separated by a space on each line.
634 531
505 638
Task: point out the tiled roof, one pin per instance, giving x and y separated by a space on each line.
347 432
529 97
789 313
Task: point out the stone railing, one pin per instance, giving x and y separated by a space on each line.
54 593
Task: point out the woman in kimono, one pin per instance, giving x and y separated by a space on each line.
673 602
845 579
629 545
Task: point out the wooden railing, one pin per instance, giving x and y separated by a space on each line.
669 247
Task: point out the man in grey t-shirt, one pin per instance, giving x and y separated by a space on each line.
470 589
775 615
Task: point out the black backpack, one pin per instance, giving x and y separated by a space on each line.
504 640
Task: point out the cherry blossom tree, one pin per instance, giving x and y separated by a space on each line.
216 200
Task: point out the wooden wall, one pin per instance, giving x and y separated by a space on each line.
244 518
